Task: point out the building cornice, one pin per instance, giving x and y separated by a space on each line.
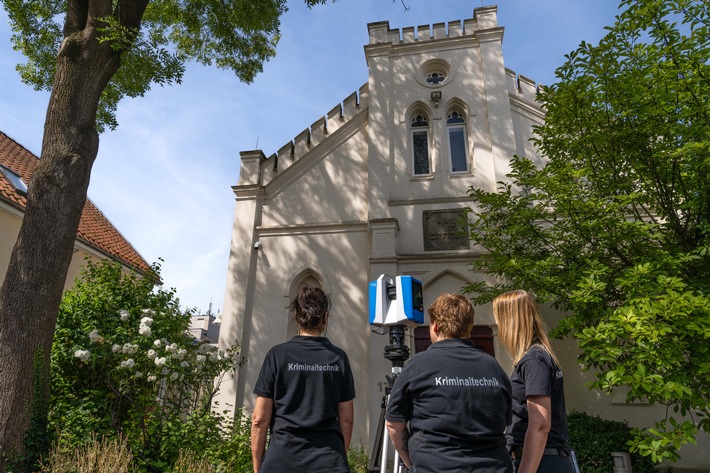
438 200
432 257
247 192
311 228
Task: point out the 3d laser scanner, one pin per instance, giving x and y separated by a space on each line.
396 301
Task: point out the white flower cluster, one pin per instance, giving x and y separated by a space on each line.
127 348
173 362
94 337
180 354
146 322
83 355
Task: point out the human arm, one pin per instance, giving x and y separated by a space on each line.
539 423
260 421
400 438
346 416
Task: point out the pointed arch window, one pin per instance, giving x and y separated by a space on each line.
420 145
458 143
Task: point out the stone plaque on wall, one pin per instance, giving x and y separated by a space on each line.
445 230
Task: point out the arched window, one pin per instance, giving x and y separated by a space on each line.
420 145
458 144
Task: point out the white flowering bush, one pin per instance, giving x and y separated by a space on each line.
123 364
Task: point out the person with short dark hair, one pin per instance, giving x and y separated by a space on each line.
537 436
305 393
456 399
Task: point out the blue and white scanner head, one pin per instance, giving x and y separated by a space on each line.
398 301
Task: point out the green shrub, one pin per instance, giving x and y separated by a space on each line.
594 438
357 460
232 453
123 364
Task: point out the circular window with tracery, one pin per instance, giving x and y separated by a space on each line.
435 78
434 73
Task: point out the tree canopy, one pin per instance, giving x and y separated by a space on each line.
239 35
614 229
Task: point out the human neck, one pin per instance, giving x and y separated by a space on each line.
309 333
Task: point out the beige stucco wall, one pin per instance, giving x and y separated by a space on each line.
312 214
10 221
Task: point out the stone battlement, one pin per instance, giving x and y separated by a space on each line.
484 18
522 87
313 135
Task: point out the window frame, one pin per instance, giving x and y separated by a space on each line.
462 126
420 130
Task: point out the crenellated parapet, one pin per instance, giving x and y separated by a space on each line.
312 136
521 87
484 19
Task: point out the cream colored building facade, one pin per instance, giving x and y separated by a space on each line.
375 186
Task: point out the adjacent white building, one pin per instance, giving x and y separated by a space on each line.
378 185
205 327
97 239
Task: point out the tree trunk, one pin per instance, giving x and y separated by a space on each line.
32 290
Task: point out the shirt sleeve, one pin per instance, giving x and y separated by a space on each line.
399 407
267 376
537 376
347 392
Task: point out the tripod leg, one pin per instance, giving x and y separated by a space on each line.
374 466
383 462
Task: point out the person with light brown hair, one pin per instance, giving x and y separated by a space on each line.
455 398
537 436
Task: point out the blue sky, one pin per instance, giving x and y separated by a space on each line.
164 176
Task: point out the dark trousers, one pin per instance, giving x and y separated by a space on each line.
551 464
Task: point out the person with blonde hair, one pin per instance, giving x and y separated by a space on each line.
537 435
456 399
305 393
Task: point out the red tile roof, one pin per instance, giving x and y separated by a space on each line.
95 229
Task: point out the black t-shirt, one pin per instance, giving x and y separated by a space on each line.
537 375
457 400
307 377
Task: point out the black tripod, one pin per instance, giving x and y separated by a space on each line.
397 352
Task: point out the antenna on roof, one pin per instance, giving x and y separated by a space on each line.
257 143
